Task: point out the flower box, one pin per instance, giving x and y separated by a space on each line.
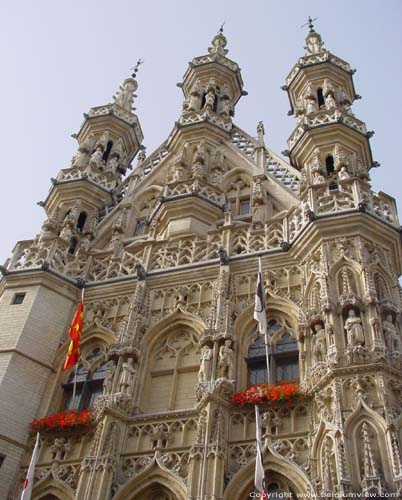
263 393
69 420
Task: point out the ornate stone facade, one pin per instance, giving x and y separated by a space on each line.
168 258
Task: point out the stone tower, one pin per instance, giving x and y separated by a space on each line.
167 256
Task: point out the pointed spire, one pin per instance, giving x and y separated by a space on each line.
125 95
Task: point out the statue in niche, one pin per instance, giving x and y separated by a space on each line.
108 381
318 178
225 107
66 233
258 210
311 105
96 158
391 337
125 95
354 329
225 362
206 356
209 99
299 109
343 173
103 140
201 427
194 99
330 102
127 376
118 148
319 343
328 87
345 102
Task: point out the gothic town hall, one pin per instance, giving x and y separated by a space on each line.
167 254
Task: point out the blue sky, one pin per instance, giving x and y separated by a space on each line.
61 58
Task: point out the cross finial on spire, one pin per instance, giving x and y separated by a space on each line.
222 26
310 24
136 67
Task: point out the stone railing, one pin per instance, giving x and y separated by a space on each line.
195 186
243 142
325 117
116 110
235 239
103 179
210 58
205 115
316 59
285 174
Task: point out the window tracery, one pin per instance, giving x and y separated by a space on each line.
172 373
283 356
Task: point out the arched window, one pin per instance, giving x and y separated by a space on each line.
89 385
81 221
238 194
108 149
283 357
320 98
172 372
329 163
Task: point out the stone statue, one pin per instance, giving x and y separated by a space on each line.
343 173
330 102
391 337
311 105
209 99
314 43
225 362
80 158
206 356
125 96
66 234
218 45
319 343
127 375
194 102
96 158
201 427
103 140
108 381
318 178
225 107
354 329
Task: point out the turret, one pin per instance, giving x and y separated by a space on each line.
329 141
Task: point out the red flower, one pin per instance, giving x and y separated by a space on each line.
266 392
63 421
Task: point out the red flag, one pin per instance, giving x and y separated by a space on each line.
75 337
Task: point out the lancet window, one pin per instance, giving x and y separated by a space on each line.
89 385
283 356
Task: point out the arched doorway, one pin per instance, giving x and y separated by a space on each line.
155 492
283 479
